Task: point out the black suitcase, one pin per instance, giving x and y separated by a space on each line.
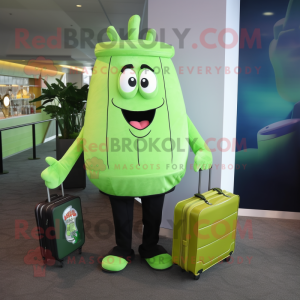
60 223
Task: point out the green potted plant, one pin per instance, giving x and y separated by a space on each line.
66 103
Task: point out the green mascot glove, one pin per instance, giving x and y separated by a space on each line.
57 171
203 160
55 174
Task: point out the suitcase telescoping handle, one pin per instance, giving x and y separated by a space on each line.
209 180
218 190
62 192
199 195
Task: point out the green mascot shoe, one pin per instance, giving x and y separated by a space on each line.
113 263
160 262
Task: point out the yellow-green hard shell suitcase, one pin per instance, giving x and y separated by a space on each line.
204 229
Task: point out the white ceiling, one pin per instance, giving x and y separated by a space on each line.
43 17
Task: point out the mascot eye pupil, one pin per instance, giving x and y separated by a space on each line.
132 81
128 83
144 83
148 82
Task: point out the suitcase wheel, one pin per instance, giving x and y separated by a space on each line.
227 259
197 277
61 263
80 250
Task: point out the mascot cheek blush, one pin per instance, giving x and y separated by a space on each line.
135 138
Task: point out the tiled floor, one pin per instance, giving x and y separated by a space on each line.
264 266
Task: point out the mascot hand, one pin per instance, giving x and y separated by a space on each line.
203 160
55 174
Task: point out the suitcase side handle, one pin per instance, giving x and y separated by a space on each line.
62 192
202 198
220 192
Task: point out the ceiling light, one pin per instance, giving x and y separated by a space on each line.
78 5
268 13
71 67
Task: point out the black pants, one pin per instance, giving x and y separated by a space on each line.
122 208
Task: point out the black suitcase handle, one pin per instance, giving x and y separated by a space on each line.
62 192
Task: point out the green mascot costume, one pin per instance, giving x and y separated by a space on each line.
135 139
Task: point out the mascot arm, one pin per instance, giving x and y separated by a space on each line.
203 157
57 171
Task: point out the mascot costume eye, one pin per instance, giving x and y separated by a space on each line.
135 139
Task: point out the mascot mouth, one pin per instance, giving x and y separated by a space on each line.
139 119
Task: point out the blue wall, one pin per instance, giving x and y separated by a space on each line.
271 177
